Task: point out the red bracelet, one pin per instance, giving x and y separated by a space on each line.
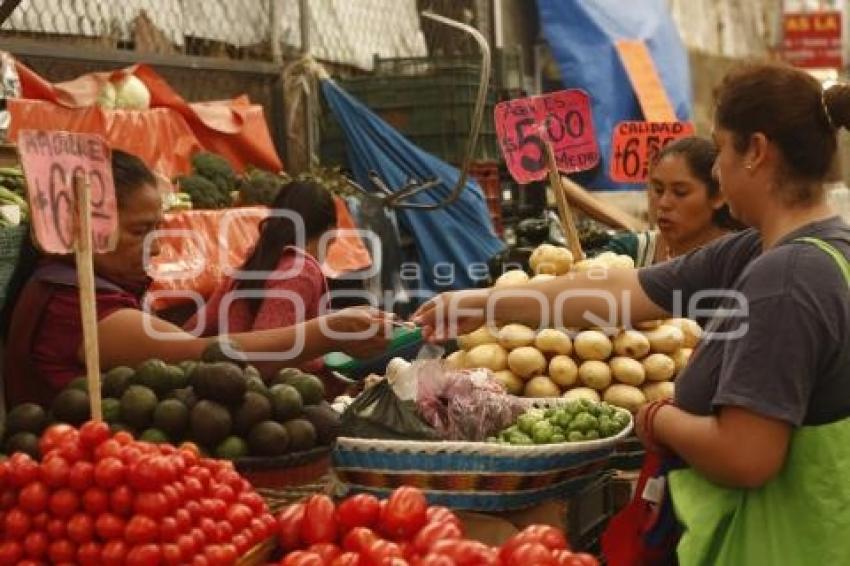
651 413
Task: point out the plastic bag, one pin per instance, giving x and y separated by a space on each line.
463 404
379 413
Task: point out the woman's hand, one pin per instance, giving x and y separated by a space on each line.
360 332
450 314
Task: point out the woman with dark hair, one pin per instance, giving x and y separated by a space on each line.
281 282
42 324
684 202
760 429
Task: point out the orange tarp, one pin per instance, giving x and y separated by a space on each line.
199 248
164 136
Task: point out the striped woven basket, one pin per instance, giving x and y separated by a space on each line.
473 475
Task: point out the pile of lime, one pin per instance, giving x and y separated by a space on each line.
576 421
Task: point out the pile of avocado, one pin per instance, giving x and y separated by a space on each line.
575 421
221 404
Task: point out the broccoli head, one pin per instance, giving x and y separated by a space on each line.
259 187
216 169
204 193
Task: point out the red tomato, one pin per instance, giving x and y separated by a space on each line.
81 476
69 448
4 474
109 526
290 521
35 545
380 550
359 539
63 503
171 554
193 508
62 551
439 514
23 470
254 501
437 560
16 524
50 438
548 536
194 488
319 524
109 449
7 500
406 512
530 553
33 498
130 454
302 558
224 493
580 559
93 433
122 437
346 559
184 520
56 529
210 529
214 508
121 501
39 521
200 560
80 528
224 532
228 555
239 516
433 532
109 472
89 554
187 546
144 555
11 552
151 503
172 499
327 551
141 530
144 474
54 472
242 543
467 552
169 530
114 552
563 557
361 510
95 501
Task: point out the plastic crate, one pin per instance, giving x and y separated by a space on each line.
10 247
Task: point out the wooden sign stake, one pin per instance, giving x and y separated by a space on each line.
85 273
567 223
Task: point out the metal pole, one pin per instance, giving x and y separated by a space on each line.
309 107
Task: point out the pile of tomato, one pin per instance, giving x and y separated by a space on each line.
98 498
404 531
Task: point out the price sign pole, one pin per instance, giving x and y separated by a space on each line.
71 194
85 272
568 226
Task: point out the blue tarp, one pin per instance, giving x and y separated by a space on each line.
581 35
452 238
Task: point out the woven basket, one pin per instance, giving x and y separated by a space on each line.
474 476
291 470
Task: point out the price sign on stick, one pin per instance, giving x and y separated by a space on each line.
562 119
635 145
72 198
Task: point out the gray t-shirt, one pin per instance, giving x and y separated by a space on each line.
788 358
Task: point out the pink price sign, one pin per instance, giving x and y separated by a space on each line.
562 119
51 161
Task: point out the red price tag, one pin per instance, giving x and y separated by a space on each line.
562 119
635 145
51 160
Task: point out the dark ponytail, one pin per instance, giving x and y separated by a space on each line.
310 202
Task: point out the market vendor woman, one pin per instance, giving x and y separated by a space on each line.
43 331
762 412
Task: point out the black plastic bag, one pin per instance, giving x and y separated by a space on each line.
379 413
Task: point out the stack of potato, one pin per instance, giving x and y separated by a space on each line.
623 367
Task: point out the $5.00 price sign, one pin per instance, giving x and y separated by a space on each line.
635 145
51 161
562 119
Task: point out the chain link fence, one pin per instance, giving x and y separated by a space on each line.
233 29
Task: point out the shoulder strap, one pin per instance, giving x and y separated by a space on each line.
833 252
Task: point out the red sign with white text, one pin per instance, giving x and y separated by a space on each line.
635 144
562 119
812 40
51 160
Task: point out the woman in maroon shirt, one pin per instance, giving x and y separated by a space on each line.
42 324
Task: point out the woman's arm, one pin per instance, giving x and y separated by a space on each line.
129 336
606 298
735 448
